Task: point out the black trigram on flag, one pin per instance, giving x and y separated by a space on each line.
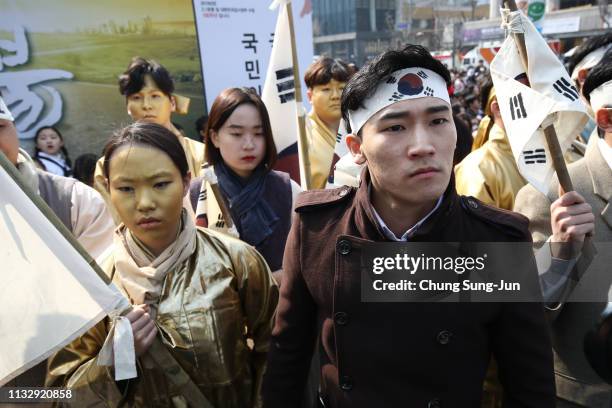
566 89
220 222
517 108
285 85
534 156
338 137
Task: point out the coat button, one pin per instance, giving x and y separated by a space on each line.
344 247
434 403
341 318
346 384
444 337
472 203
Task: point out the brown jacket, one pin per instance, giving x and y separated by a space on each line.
397 354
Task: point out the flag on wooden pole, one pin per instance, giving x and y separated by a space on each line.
282 99
49 295
550 99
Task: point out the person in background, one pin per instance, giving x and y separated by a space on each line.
84 168
204 293
464 140
325 79
586 56
149 95
241 151
50 151
489 172
576 292
200 127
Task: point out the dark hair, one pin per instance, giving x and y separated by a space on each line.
485 91
133 79
364 83
147 134
222 108
470 98
200 125
598 75
464 140
63 148
586 48
84 168
325 69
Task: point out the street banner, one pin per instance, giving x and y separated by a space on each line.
49 294
235 39
526 110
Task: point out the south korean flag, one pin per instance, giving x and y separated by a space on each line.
526 110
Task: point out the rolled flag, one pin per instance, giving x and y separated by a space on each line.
50 295
279 97
526 110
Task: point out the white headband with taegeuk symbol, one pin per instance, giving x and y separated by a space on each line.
408 83
601 96
4 112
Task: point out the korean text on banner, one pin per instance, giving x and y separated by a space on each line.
239 56
49 295
550 97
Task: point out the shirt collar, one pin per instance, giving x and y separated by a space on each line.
408 234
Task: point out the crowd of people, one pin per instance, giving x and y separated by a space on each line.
245 290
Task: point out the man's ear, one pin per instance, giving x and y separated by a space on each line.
353 142
173 103
603 117
309 94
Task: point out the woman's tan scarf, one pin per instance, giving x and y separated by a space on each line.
141 273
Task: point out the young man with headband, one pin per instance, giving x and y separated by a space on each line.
398 354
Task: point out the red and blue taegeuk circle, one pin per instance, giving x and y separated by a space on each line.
410 84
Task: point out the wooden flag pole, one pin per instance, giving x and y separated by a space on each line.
50 215
549 129
303 150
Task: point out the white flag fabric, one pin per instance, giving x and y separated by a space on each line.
279 97
345 171
551 97
49 294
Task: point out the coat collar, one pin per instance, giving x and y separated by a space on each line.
368 226
601 176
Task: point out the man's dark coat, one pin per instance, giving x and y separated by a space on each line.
398 354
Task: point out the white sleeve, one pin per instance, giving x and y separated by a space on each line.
92 224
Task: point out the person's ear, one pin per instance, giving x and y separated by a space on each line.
353 142
172 103
214 138
309 95
106 185
186 183
603 117
582 74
